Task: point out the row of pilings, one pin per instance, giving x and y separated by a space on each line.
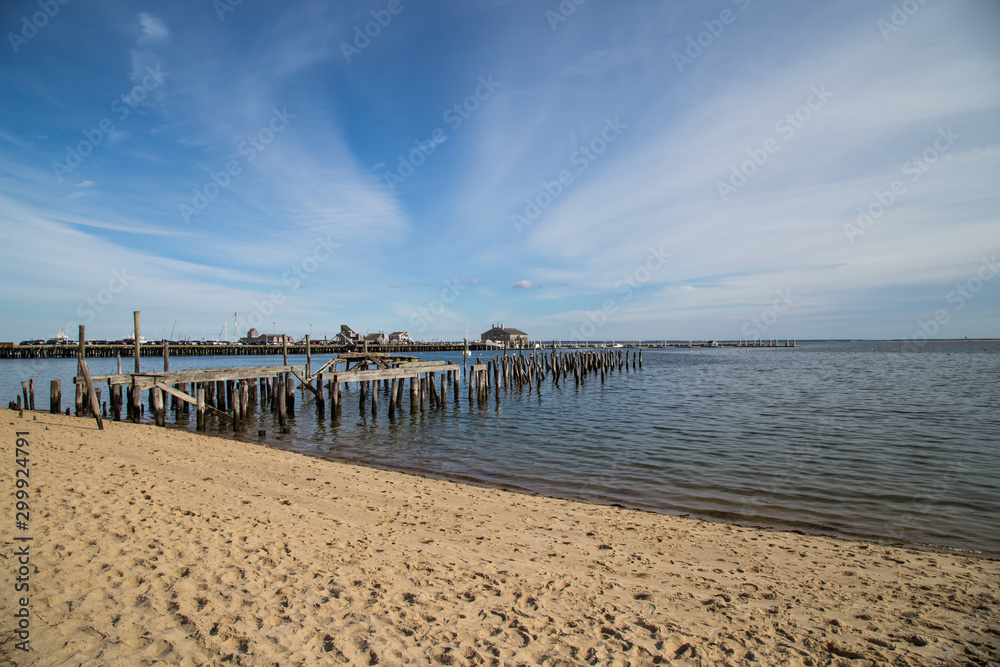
528 372
233 400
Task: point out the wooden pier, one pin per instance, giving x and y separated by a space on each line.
111 350
233 394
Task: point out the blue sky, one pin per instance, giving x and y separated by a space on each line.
726 169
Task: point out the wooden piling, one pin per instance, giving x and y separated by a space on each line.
363 386
135 332
392 399
374 398
334 397
55 397
200 408
234 403
159 413
432 390
320 395
282 418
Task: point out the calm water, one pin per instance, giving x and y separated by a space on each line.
859 439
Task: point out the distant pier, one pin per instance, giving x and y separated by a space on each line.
100 349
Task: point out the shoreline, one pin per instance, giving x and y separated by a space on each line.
713 516
160 546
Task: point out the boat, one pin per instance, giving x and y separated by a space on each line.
60 339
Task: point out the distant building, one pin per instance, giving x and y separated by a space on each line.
400 338
347 336
507 336
376 339
255 338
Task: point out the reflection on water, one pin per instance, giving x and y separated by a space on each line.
859 439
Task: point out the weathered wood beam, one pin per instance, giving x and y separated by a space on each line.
188 399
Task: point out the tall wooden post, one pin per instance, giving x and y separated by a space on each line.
284 349
95 403
308 356
135 316
392 399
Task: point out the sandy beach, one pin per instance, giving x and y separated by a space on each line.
157 546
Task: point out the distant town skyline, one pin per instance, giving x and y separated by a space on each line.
725 170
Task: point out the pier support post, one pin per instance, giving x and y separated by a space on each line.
392 398
156 400
334 397
55 397
135 332
200 410
281 400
